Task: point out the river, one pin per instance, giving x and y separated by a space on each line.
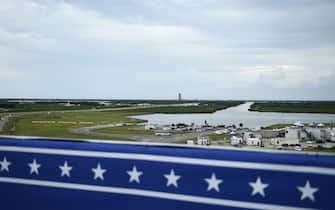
236 115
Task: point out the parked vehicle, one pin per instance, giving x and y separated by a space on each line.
297 148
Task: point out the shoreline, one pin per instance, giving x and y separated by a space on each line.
289 112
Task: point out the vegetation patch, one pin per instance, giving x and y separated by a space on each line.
218 137
203 107
295 107
23 125
275 126
58 124
52 106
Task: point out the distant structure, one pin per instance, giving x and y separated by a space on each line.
179 97
203 140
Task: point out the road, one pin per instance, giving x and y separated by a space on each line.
90 110
174 138
19 114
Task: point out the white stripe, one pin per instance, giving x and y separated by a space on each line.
172 159
209 147
147 193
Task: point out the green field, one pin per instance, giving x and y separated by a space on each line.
24 126
276 126
294 107
208 107
218 137
38 107
57 124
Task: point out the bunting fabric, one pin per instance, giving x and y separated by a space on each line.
45 174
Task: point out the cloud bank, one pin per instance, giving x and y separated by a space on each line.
155 49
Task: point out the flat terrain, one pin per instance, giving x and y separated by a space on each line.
278 126
10 106
295 107
204 107
6 107
58 124
68 123
174 138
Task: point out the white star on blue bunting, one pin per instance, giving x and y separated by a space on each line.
99 172
213 183
65 169
34 166
258 186
172 179
134 175
5 164
307 191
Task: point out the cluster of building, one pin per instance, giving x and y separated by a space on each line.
167 130
297 136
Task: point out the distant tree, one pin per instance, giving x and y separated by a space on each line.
241 125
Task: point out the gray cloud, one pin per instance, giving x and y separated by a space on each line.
154 49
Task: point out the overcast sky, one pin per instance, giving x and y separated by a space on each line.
153 49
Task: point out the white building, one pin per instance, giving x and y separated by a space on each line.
292 137
232 133
328 134
320 133
203 140
166 128
235 140
223 131
253 141
298 124
321 125
332 135
190 142
251 135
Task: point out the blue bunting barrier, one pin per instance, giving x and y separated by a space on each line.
50 174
